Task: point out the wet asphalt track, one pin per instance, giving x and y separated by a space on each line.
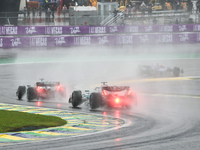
167 115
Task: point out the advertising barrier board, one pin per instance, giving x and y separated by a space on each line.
78 30
89 40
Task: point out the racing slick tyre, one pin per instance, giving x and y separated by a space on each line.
182 71
133 99
20 92
95 100
144 71
31 94
76 98
62 92
176 71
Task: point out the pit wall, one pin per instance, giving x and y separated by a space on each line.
66 36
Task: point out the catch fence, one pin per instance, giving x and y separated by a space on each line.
157 17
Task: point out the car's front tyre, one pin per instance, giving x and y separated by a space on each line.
20 92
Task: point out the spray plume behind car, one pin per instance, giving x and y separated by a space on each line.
41 90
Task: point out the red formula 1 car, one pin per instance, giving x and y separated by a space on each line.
111 96
42 90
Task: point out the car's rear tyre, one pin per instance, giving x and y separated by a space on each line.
31 94
95 100
176 71
133 101
76 98
21 91
62 92
182 71
70 100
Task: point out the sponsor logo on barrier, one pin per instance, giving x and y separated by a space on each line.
97 30
113 29
75 30
30 30
132 29
166 28
165 38
198 37
183 37
103 40
144 38
38 41
182 28
2 30
53 30
15 42
196 27
1 42
86 40
60 41
148 29
125 40
9 30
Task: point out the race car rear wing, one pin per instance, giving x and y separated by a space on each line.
115 88
47 83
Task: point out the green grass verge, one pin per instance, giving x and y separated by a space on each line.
7 60
195 78
20 121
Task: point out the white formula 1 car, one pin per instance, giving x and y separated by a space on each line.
158 70
111 96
